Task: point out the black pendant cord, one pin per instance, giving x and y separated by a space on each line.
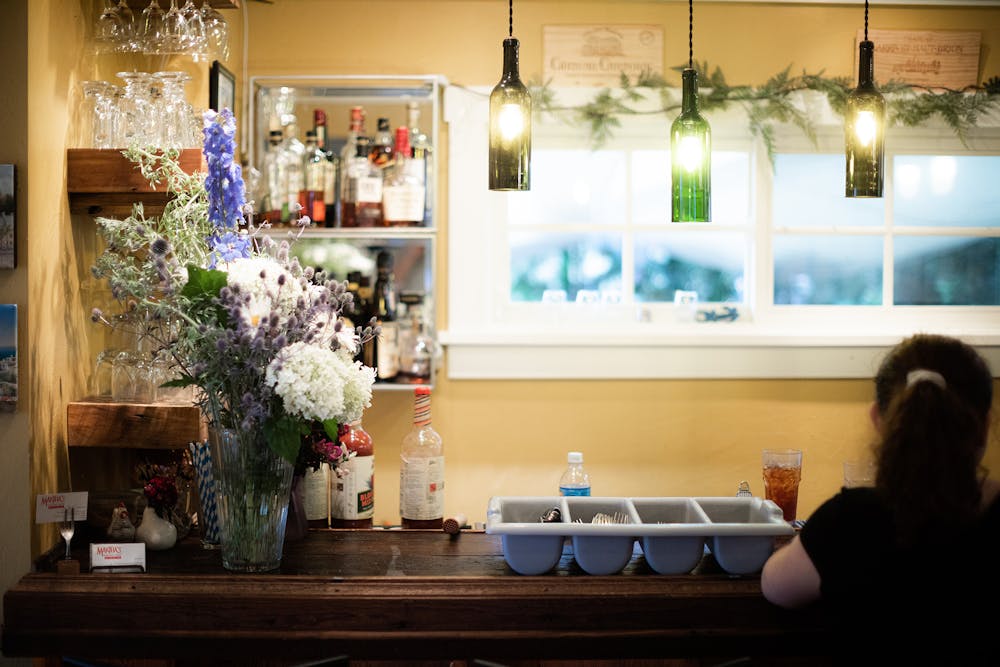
691 33
510 19
866 19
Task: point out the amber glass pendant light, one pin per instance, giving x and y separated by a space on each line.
690 148
510 122
864 125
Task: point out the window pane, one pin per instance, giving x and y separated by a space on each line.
572 186
939 190
809 192
831 270
711 264
651 186
568 262
946 270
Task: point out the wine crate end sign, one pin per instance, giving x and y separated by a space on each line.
934 59
597 55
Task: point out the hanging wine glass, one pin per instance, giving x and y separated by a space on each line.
175 30
152 28
216 32
109 29
197 46
131 44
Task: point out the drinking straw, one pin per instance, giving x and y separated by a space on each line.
201 456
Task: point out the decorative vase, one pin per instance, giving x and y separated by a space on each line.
253 485
157 533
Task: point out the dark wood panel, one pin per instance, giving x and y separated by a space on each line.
388 595
101 422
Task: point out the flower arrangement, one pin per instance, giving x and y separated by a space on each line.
258 335
161 495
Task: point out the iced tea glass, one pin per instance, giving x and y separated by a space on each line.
782 473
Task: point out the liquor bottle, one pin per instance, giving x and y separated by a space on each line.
361 203
366 354
423 154
329 170
574 481
311 195
294 159
351 315
403 191
274 179
355 129
416 345
381 151
421 471
384 305
316 493
352 495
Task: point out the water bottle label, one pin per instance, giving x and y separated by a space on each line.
574 491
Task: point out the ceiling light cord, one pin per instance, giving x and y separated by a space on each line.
510 19
866 19
691 33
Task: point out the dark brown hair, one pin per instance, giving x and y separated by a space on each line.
932 436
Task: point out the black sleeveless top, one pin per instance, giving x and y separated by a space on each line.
937 598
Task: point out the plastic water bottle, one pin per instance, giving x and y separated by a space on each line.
575 481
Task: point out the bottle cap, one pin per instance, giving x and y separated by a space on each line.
403 140
319 117
384 260
422 391
574 457
383 124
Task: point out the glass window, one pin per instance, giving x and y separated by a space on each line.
946 271
808 191
564 264
827 269
572 186
713 265
946 190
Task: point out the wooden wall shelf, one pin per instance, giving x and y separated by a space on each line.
101 422
138 5
104 182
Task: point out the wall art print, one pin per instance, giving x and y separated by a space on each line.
8 357
8 213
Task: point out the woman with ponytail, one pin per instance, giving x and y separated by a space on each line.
907 566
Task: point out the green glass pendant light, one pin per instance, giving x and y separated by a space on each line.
864 125
510 122
690 148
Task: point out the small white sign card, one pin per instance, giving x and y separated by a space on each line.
118 557
49 506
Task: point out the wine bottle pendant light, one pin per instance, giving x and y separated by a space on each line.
510 122
864 127
690 148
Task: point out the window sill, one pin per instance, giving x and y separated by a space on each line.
713 351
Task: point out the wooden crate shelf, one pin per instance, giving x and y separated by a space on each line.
102 181
101 422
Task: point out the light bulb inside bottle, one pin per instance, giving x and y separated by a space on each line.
865 127
689 153
510 122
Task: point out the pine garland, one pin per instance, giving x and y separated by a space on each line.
772 103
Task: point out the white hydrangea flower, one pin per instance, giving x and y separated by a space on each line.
314 382
268 294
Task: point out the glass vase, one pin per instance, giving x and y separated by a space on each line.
253 485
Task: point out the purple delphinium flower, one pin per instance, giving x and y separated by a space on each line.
224 179
227 247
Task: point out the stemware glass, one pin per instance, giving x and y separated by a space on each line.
92 129
198 45
67 527
152 28
216 32
175 31
176 111
137 108
110 32
131 43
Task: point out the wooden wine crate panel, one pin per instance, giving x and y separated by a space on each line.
100 422
102 181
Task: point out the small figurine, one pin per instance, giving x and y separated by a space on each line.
121 528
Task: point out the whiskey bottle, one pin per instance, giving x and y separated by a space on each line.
403 191
385 300
311 195
361 204
382 151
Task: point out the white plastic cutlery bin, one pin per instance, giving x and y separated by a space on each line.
672 531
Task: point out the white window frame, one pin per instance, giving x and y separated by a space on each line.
776 342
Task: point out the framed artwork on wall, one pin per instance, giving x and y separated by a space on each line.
221 88
8 217
8 357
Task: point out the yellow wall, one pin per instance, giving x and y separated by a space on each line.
640 438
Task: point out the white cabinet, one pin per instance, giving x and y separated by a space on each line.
279 101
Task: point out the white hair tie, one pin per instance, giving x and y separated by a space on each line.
924 375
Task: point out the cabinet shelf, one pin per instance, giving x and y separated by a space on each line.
369 233
97 421
102 181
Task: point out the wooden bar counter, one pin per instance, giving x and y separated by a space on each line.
389 595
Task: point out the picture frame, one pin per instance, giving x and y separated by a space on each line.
221 88
8 217
8 357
